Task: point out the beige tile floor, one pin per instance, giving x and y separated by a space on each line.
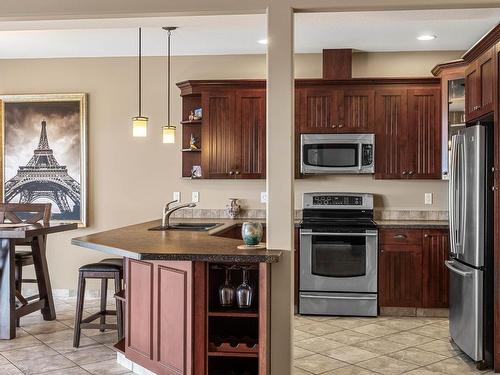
322 345
369 346
47 347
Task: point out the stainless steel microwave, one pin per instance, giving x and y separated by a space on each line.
337 153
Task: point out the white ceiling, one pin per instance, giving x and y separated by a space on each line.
238 34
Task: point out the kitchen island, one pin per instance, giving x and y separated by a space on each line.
174 323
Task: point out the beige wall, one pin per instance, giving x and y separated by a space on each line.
130 179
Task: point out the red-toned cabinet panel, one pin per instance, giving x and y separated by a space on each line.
391 133
250 133
359 111
435 274
159 316
424 133
480 86
139 317
219 138
400 276
320 110
173 282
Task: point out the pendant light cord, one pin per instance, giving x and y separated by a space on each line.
168 77
140 72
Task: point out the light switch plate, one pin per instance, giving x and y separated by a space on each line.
177 196
195 197
428 198
263 197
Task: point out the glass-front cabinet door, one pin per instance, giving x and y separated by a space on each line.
452 106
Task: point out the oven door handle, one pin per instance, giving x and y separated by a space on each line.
339 234
337 297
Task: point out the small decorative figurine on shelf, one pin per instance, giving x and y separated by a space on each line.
198 114
196 171
233 208
193 142
191 116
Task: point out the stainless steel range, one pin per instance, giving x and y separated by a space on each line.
338 255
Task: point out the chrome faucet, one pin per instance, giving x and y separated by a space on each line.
167 211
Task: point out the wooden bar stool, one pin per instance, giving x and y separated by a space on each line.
104 270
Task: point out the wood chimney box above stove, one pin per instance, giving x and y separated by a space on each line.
337 63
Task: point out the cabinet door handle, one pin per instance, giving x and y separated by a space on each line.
404 172
334 126
426 235
231 173
237 172
410 172
400 236
494 188
341 126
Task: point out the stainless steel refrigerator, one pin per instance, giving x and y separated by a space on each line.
470 261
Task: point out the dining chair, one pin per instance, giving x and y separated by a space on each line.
24 213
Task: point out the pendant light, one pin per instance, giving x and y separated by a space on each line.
168 130
140 123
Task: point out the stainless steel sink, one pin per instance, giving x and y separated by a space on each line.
188 226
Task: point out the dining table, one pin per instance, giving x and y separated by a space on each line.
35 235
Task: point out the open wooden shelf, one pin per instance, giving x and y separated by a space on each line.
120 346
191 122
234 314
232 354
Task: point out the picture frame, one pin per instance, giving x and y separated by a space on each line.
44 153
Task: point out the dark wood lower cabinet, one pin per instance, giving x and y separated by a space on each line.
411 268
175 324
435 274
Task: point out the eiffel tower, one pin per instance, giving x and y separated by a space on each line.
43 177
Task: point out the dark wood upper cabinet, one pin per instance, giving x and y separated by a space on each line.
320 110
390 133
408 133
423 158
400 276
358 111
250 121
218 135
435 274
479 86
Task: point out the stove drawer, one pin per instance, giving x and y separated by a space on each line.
347 304
399 236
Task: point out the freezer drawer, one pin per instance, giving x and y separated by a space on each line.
466 308
350 304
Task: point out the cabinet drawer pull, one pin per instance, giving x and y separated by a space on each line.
334 126
410 172
237 172
404 172
231 173
426 235
341 126
400 236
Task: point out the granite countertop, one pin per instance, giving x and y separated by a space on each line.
416 224
137 242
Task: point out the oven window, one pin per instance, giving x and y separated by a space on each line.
338 256
331 155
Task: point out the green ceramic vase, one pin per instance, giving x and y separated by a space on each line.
251 233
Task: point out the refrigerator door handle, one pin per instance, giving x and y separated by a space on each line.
452 268
463 196
451 193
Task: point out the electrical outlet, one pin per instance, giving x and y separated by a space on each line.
177 196
195 197
263 197
428 198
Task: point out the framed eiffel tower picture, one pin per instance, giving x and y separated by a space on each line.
44 152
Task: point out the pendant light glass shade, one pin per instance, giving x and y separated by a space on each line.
140 123
168 132
139 126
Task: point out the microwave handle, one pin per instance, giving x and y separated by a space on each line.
360 156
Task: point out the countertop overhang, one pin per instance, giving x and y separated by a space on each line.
412 224
138 242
